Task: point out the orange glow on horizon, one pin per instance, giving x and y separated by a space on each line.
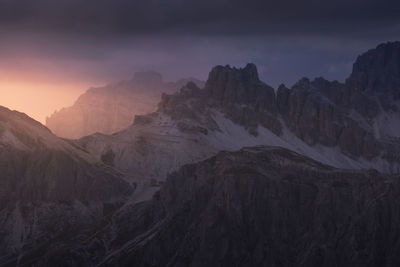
39 85
37 99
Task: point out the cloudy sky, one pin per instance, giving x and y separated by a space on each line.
51 51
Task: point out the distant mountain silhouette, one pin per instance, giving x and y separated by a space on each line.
112 108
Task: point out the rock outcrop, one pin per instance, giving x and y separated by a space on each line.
378 71
237 93
314 111
358 116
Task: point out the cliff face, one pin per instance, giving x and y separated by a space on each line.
260 206
269 207
111 108
316 112
332 122
378 70
359 116
237 93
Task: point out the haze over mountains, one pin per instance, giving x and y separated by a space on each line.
231 173
111 108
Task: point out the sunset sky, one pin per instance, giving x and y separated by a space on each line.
52 51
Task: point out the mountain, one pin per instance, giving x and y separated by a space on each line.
264 206
338 124
259 206
360 117
111 108
232 173
49 187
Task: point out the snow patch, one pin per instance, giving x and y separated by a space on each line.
233 137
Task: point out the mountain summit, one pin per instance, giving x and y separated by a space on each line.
228 86
378 70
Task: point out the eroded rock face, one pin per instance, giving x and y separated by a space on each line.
260 206
243 97
349 115
310 114
319 112
332 122
227 86
112 108
267 207
378 70
237 93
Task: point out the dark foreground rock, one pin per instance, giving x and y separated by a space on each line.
260 206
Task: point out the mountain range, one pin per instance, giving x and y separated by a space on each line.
232 173
111 108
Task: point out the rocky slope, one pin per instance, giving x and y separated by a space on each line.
49 187
268 207
260 206
112 108
335 123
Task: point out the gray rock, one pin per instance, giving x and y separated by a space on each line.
263 206
345 115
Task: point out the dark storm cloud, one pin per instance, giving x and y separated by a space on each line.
194 16
107 40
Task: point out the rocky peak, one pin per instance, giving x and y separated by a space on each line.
224 73
227 85
378 70
237 93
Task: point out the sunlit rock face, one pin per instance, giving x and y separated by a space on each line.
112 108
